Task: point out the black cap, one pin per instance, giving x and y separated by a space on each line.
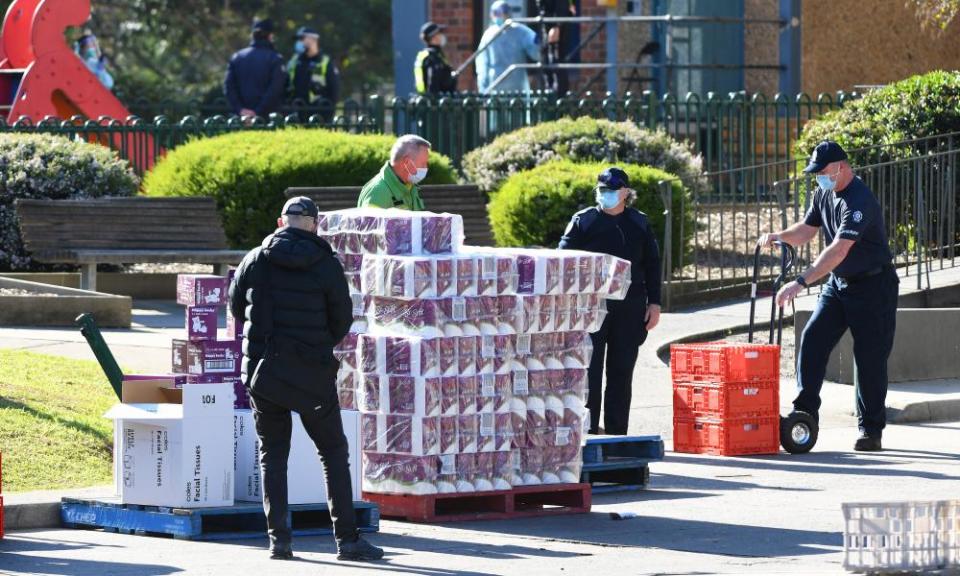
307 31
300 206
429 29
265 25
825 153
614 178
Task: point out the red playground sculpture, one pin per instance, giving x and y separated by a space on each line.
40 75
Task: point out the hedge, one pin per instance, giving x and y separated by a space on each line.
534 207
582 139
919 106
52 167
248 172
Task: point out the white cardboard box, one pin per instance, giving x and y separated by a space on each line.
305 479
172 446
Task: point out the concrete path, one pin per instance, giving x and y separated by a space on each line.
702 515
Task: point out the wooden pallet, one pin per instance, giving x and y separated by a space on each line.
243 520
619 463
519 502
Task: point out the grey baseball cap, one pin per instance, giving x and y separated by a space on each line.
300 206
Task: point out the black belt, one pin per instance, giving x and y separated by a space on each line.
865 275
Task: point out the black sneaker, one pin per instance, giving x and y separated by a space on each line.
867 443
281 552
359 550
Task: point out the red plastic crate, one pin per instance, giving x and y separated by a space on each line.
737 400
724 362
732 437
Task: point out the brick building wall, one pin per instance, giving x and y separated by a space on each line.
457 16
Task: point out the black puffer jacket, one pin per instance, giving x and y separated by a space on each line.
308 299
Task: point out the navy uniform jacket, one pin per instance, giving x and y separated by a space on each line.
852 214
627 235
314 77
255 79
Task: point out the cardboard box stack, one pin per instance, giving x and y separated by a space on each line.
468 365
172 443
202 356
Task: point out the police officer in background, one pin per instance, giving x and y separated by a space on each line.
431 71
861 293
293 298
314 77
255 78
612 227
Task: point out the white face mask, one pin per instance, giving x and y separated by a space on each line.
418 174
442 40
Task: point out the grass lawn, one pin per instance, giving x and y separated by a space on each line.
52 430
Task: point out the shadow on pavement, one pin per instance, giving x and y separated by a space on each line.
697 536
18 554
822 463
715 483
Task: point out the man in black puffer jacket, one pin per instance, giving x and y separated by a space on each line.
293 297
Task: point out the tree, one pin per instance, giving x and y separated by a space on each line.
935 13
179 49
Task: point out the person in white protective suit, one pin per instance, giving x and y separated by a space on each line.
517 44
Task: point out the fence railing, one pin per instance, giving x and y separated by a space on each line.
730 131
914 180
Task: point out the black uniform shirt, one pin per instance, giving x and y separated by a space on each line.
852 214
627 235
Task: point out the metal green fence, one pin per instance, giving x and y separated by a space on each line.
730 131
915 181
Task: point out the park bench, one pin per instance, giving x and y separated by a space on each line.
135 230
467 201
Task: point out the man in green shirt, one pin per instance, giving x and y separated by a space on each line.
396 184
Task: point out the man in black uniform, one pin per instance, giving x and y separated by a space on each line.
293 297
861 293
432 73
614 228
255 79
314 77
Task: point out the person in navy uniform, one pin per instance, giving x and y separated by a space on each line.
860 294
255 78
612 227
314 76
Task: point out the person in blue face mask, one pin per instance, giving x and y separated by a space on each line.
314 76
517 44
613 227
88 49
860 293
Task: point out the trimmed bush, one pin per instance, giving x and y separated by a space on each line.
52 167
247 172
579 140
919 106
534 207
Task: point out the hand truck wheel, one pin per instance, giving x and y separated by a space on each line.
798 432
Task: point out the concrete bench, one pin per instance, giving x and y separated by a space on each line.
467 201
135 230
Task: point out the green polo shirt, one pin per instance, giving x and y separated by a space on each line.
386 190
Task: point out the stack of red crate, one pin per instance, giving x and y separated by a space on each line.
726 398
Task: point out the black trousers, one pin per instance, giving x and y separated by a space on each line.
274 427
618 342
869 309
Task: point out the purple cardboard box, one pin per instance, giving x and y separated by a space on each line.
207 357
201 290
241 396
179 349
201 322
234 329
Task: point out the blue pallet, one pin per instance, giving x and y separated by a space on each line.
240 521
619 463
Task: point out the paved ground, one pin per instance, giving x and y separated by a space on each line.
778 514
702 515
